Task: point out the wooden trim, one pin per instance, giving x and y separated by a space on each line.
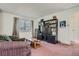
32 28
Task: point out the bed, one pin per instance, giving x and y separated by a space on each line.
15 48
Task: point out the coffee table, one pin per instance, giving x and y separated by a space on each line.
35 43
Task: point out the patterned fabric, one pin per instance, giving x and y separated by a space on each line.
14 48
8 38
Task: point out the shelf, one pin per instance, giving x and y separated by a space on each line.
53 27
50 30
50 23
50 20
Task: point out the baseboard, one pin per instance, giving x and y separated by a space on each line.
64 43
75 42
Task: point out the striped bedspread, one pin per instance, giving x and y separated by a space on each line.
14 48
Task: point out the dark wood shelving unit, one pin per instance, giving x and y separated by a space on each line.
49 31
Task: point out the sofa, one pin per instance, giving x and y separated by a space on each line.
14 48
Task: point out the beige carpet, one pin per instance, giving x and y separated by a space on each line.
48 49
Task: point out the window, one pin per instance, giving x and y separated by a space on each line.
24 25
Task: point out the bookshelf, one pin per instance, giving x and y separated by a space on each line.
49 31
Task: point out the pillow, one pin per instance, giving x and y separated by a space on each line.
3 38
8 38
13 37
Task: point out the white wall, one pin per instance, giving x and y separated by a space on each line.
7 22
0 22
71 32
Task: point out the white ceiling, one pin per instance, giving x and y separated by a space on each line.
35 9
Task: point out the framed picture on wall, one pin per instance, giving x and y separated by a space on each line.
62 24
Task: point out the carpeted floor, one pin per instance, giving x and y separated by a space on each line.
48 49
